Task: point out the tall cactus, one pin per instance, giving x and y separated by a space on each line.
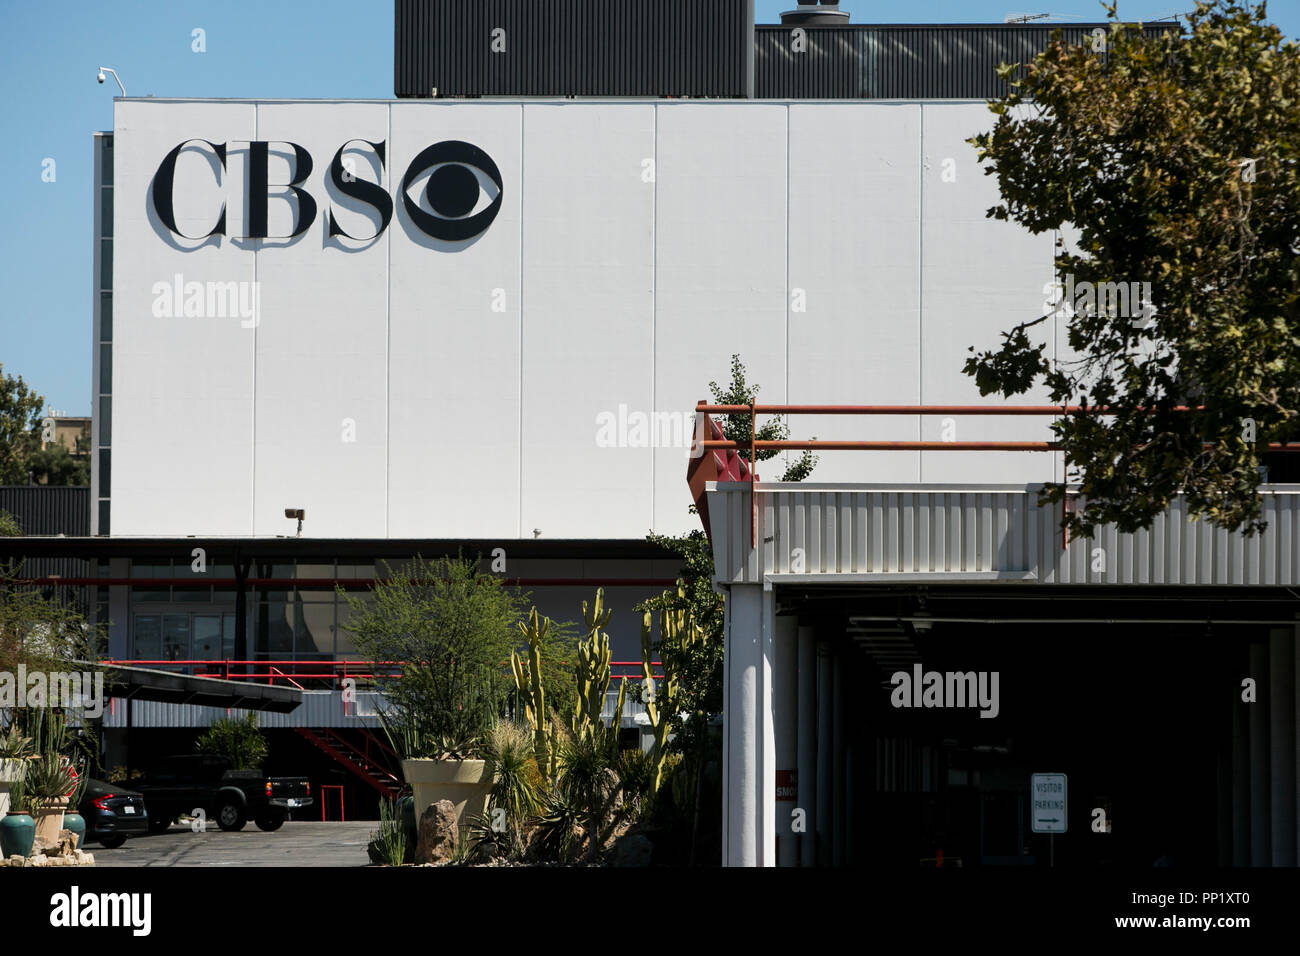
677 629
593 675
532 694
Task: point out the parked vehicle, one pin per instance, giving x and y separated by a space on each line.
190 782
112 813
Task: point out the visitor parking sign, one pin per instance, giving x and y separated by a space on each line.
1047 795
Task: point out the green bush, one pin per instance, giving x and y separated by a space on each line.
238 739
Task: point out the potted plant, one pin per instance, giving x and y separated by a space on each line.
452 771
49 782
453 628
14 750
17 829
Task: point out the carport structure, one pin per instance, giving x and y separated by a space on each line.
1156 669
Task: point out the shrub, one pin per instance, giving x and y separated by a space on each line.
237 739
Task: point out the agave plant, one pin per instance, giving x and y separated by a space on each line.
14 745
49 778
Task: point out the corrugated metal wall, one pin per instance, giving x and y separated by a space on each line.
573 48
698 48
866 61
43 510
320 708
923 531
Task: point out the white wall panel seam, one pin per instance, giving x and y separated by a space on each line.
523 197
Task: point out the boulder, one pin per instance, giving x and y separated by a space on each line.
64 845
633 849
438 833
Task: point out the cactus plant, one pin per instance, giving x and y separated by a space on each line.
593 675
532 692
677 628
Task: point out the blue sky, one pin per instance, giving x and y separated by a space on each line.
49 54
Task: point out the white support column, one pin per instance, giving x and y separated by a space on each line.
1261 840
749 752
808 745
1282 745
785 705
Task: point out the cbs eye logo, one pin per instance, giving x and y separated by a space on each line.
453 190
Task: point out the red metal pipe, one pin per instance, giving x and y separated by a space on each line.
913 409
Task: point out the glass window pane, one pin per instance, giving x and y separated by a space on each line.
313 630
106 160
106 317
227 635
192 594
106 210
148 637
207 637
103 517
176 637
104 472
105 368
140 595
274 630
106 263
106 420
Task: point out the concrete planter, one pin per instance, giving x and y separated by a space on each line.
466 783
49 819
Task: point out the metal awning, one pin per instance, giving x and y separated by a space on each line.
852 534
146 683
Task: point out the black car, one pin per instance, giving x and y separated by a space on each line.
112 813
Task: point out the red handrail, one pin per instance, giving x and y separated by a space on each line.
292 671
701 445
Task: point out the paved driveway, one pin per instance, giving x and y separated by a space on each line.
297 843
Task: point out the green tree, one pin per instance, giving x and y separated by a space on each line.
238 739
55 465
1177 160
735 427
453 628
20 428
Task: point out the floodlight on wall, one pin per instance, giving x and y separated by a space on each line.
298 513
109 69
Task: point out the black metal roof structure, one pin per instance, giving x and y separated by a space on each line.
701 49
144 683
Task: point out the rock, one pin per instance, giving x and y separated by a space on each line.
486 852
65 845
438 833
633 849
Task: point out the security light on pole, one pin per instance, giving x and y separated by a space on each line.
298 513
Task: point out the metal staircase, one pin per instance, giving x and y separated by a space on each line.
371 762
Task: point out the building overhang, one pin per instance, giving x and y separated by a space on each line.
145 683
862 534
